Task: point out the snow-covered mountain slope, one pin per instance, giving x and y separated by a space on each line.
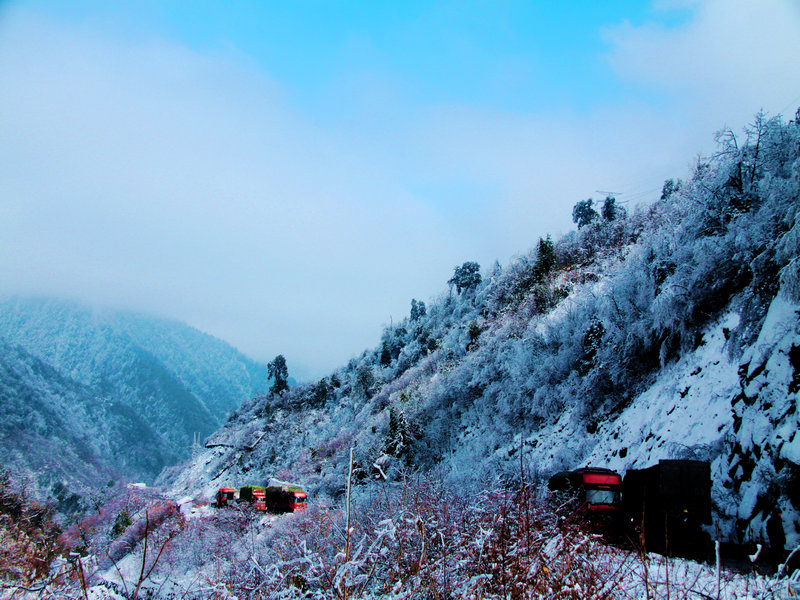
158 382
60 438
66 335
760 467
670 332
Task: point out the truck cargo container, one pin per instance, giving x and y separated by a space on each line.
667 505
224 497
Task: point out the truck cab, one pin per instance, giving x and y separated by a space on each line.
596 489
224 497
286 498
601 489
299 501
254 494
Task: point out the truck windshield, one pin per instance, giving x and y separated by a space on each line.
300 499
601 496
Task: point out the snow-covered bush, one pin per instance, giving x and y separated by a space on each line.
422 540
28 536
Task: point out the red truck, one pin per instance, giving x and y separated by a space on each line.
597 489
254 494
283 498
224 497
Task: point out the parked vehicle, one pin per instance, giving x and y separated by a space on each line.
285 498
254 494
224 497
597 489
660 509
667 505
277 497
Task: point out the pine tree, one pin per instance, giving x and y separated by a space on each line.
545 259
417 310
279 373
583 213
611 211
398 435
474 332
364 380
466 277
670 187
386 356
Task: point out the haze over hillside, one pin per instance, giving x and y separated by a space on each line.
276 173
99 394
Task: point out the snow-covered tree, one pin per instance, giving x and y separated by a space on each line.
279 373
417 310
583 214
611 211
466 277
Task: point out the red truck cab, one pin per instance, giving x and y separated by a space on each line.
597 489
601 489
254 494
224 496
259 503
299 501
285 498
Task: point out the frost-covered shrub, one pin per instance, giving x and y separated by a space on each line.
425 541
211 542
146 525
93 533
30 538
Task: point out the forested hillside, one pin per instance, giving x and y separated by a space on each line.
54 427
96 395
667 330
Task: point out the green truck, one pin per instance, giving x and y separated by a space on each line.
254 494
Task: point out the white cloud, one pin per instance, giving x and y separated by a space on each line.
717 66
149 176
730 59
144 174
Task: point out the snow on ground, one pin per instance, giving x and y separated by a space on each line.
655 576
685 411
190 509
767 420
103 593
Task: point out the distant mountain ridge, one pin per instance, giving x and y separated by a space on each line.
63 438
138 388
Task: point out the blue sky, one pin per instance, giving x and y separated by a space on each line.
288 175
518 55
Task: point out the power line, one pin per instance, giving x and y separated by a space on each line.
643 194
791 104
